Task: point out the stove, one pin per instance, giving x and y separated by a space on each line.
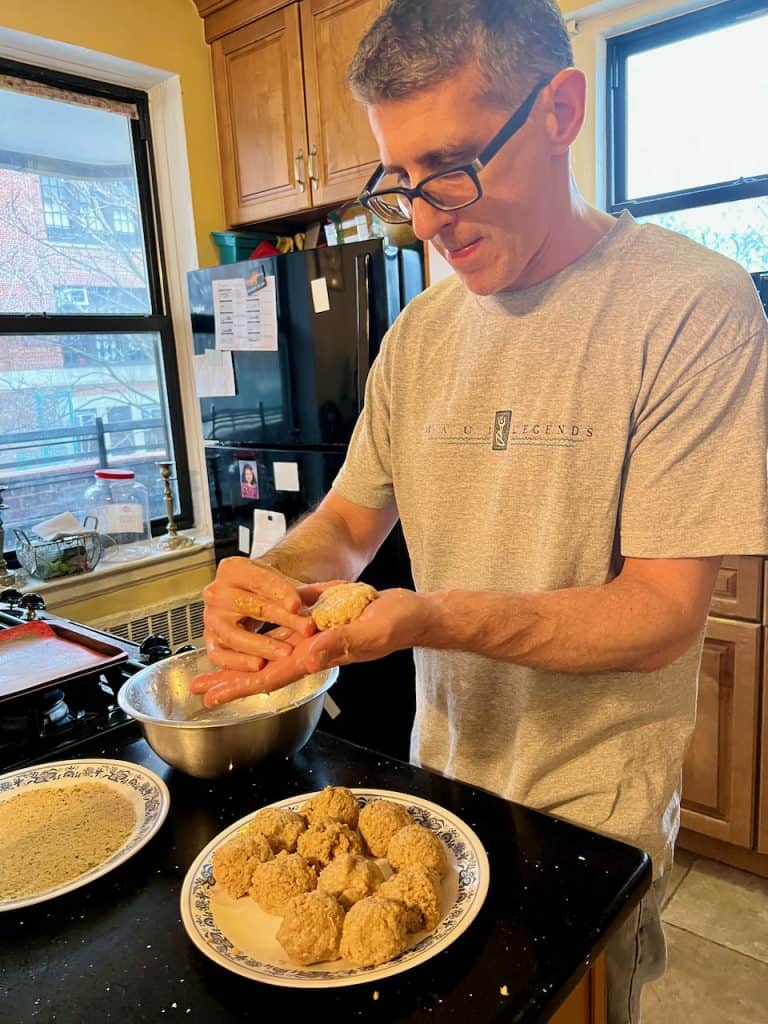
50 724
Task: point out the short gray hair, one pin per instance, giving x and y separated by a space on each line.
415 44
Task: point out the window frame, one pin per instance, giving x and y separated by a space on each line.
157 322
619 49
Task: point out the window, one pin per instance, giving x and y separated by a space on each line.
87 441
85 212
686 144
87 362
99 299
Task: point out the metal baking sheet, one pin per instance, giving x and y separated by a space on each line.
38 655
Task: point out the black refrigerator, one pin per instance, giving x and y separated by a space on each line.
278 436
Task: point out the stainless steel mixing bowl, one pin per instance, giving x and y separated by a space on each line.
210 743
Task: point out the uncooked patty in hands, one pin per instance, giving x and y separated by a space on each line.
342 604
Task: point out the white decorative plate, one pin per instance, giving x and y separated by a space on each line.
238 935
146 791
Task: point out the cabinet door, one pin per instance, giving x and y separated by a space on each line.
719 774
343 151
739 588
259 88
587 1003
762 817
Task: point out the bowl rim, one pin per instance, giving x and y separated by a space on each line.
331 674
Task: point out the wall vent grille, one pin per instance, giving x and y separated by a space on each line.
179 622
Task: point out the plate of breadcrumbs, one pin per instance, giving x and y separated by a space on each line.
64 824
338 887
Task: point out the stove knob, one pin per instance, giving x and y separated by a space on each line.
10 597
185 649
154 648
32 604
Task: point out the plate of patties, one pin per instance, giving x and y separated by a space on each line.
333 888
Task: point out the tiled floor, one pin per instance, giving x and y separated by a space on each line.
716 923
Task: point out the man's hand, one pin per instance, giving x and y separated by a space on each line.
395 621
239 675
244 595
398 619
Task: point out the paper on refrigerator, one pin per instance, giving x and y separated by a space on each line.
268 528
245 317
214 374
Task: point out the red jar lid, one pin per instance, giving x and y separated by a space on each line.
114 474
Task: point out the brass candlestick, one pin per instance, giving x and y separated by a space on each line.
172 540
7 578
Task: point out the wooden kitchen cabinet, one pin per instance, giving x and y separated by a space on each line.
762 813
739 588
720 768
342 150
587 1004
291 136
258 84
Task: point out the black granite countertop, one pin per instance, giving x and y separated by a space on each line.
116 950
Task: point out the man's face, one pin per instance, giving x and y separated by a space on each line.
493 244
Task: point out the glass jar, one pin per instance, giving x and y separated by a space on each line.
121 505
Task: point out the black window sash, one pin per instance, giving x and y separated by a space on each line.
159 321
619 49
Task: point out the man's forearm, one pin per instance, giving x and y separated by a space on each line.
620 626
318 548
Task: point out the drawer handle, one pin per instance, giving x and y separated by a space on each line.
300 171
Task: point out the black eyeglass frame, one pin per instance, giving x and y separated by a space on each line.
505 133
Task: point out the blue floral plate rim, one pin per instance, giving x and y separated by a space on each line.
148 793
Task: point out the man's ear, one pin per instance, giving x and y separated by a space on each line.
566 97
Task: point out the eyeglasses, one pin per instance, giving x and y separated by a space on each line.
453 189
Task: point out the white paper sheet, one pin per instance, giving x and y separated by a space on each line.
320 299
286 476
64 525
228 309
245 318
268 528
214 374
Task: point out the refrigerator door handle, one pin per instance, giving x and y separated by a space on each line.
364 313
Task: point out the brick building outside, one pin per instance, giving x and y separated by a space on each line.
73 246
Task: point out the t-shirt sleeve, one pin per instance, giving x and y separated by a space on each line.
695 478
366 476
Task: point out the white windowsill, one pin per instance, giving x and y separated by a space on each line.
110 576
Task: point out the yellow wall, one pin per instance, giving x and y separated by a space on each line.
165 34
566 6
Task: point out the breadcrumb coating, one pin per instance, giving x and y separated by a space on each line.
312 927
374 932
325 840
333 802
282 828
235 862
342 604
415 846
379 821
277 881
418 889
350 878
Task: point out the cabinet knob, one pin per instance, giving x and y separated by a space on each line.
313 178
300 171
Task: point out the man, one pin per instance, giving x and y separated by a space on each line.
572 432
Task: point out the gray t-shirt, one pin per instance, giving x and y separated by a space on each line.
532 439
